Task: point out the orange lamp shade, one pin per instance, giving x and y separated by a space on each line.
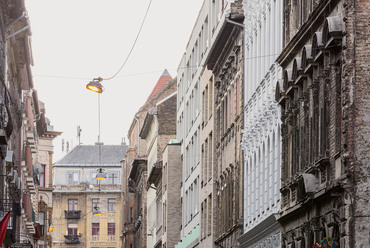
95 86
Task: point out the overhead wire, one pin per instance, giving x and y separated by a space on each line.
157 71
133 45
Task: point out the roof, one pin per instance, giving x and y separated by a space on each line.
162 81
88 155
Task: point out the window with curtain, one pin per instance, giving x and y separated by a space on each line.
73 177
95 229
111 229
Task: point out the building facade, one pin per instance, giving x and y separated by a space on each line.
135 169
195 125
226 61
85 208
324 114
171 200
158 129
20 136
43 168
261 134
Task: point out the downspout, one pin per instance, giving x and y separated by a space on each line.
227 19
353 202
24 14
240 25
138 136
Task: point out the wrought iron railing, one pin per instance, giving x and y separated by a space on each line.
72 214
72 239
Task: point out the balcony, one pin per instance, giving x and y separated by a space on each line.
72 239
72 214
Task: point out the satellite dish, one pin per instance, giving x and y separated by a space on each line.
37 167
91 186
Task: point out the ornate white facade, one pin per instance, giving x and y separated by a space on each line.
261 135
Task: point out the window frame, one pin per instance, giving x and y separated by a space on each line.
74 203
95 202
111 226
111 202
95 229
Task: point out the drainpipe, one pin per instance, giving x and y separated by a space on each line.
352 231
24 14
227 19
138 136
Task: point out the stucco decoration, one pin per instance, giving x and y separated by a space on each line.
272 241
254 12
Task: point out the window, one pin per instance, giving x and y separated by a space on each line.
113 178
41 177
95 229
73 177
93 177
131 214
72 204
111 204
111 229
42 221
72 229
95 203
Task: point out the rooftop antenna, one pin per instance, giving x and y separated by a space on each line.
79 130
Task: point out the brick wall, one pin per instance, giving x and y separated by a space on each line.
356 116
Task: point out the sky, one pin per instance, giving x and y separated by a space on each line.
74 41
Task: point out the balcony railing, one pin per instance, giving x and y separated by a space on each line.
72 239
72 214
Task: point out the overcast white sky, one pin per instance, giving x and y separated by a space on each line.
74 41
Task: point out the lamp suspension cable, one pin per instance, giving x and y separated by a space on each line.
99 123
133 45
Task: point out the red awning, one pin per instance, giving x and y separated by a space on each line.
3 227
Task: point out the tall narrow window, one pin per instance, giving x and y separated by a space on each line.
111 204
210 156
73 177
72 204
209 215
95 229
210 97
42 221
41 177
111 229
95 203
